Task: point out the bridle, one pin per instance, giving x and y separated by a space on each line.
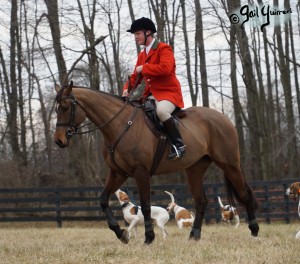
73 129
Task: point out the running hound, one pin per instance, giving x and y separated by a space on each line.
294 189
133 214
184 218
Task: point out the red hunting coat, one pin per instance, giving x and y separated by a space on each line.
159 74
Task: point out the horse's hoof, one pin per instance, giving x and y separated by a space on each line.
254 229
254 234
148 241
195 234
150 235
125 237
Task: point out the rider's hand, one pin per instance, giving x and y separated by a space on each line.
139 69
125 93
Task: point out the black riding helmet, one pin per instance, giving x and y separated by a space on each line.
142 24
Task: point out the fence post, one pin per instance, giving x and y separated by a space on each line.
58 209
217 209
286 205
267 200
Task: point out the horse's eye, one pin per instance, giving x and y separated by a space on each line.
61 108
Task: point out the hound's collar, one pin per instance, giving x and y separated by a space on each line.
124 205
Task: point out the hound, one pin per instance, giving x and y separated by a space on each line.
184 218
294 189
134 216
229 214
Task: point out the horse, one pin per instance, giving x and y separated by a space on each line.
129 149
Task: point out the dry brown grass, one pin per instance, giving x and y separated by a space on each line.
95 243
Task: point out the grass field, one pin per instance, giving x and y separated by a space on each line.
95 243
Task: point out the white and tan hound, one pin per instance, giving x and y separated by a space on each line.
229 214
183 217
294 190
134 216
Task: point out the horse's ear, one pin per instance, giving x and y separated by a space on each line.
57 88
69 88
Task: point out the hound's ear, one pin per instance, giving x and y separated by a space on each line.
57 88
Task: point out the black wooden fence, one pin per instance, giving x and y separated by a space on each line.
78 204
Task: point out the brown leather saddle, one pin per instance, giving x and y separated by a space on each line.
158 130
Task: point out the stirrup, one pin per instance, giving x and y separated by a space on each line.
176 153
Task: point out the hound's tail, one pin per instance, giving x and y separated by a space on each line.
220 202
233 193
171 195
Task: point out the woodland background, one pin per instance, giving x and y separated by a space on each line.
249 74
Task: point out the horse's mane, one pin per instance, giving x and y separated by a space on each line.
98 91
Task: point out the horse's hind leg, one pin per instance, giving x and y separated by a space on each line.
237 185
195 176
251 206
112 184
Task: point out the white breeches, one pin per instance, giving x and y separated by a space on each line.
164 109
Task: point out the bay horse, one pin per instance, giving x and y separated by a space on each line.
130 147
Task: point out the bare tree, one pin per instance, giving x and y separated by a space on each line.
12 87
194 94
284 68
201 49
53 19
132 16
159 10
114 34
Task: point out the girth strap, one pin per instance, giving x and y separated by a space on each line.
161 145
160 149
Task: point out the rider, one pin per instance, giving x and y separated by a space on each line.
156 63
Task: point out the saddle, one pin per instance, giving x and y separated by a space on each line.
157 128
151 118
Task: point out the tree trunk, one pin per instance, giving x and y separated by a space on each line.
53 19
200 42
12 93
252 95
235 92
138 48
286 84
159 10
21 101
194 94
94 72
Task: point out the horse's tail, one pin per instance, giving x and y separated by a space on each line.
232 193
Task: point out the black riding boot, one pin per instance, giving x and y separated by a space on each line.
177 148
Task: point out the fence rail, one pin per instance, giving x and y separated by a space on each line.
82 203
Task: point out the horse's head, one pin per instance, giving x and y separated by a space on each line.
70 114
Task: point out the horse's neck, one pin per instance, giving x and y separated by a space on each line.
100 108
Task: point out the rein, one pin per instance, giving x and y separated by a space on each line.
104 124
73 129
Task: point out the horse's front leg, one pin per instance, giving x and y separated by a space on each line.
113 182
143 178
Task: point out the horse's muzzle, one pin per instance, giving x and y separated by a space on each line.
60 143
